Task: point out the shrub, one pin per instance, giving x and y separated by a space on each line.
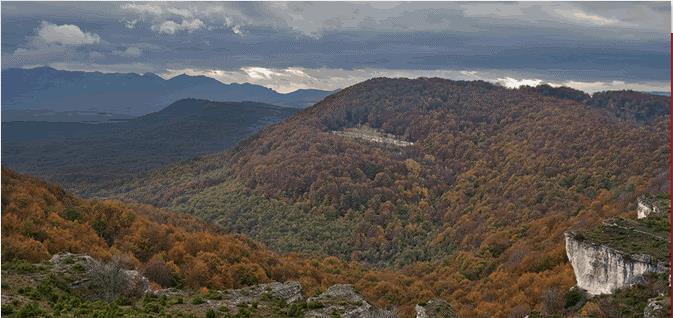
7 309
20 266
176 301
214 295
314 305
71 214
110 281
552 301
158 272
198 301
29 310
573 297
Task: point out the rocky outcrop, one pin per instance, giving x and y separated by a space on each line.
435 308
369 134
648 204
288 292
659 307
66 262
600 269
93 280
337 301
99 280
343 301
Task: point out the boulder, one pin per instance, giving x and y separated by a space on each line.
435 308
649 204
288 292
659 307
69 262
343 301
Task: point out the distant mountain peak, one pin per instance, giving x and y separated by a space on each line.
128 93
152 75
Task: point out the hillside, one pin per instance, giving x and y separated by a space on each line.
477 205
626 104
624 263
45 88
68 285
172 250
85 156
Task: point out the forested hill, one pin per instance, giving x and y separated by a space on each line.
627 104
174 251
85 156
481 186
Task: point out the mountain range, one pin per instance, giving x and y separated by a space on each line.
45 88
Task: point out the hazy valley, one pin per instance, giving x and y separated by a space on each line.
84 156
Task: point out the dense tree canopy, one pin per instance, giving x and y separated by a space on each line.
476 208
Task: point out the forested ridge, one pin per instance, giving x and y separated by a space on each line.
84 157
475 209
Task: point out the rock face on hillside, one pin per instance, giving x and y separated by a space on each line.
619 251
288 292
369 134
648 204
600 269
343 301
435 308
99 280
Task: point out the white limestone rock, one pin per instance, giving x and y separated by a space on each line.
600 269
648 204
435 308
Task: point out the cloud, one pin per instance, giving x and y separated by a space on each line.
143 8
260 72
581 16
65 34
130 24
95 55
289 79
51 42
510 82
171 27
617 85
130 52
236 29
330 45
185 13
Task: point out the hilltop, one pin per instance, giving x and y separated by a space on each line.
476 203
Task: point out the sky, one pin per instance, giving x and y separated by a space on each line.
329 45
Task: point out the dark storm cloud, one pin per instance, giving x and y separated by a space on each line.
309 43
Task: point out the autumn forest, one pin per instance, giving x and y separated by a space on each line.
469 207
